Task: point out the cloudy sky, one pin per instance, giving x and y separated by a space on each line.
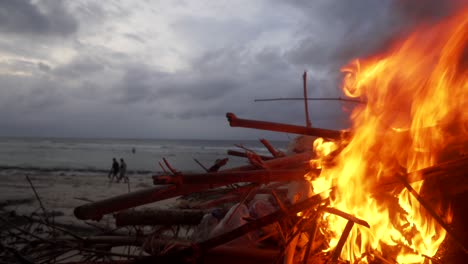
172 69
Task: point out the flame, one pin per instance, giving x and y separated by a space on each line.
416 95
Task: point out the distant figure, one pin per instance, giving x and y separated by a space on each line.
133 150
114 170
123 171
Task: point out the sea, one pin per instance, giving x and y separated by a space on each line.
74 156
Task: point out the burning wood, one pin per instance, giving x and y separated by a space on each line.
405 92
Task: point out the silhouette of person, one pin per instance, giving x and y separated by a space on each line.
114 169
123 171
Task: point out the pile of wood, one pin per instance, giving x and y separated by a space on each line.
285 233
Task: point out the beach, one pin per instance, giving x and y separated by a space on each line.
60 194
67 173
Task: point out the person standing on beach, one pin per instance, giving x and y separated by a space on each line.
114 170
123 171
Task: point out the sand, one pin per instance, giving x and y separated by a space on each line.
60 194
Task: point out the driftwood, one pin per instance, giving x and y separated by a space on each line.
230 198
229 177
243 155
234 121
96 210
201 248
271 149
300 160
115 241
159 217
450 177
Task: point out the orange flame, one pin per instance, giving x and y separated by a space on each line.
416 97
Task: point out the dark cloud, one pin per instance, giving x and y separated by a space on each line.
28 95
108 89
139 83
48 17
221 81
343 30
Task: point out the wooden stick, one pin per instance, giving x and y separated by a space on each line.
159 217
37 197
229 177
311 232
445 172
97 209
213 203
218 164
162 167
201 165
244 155
433 214
293 161
234 121
113 241
337 252
256 224
346 216
312 99
202 247
271 149
306 107
174 171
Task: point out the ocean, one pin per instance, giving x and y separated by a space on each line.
78 156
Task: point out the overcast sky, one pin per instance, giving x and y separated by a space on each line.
173 69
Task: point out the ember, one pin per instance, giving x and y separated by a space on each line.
416 109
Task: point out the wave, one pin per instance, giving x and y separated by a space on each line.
59 170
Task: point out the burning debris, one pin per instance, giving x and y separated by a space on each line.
378 193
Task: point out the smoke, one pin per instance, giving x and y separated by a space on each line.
428 11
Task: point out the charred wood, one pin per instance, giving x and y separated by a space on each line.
336 253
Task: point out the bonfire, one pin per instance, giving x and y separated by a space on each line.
379 192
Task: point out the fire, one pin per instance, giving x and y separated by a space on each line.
416 95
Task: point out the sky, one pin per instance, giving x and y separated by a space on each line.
173 69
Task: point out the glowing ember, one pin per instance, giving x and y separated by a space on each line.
416 97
